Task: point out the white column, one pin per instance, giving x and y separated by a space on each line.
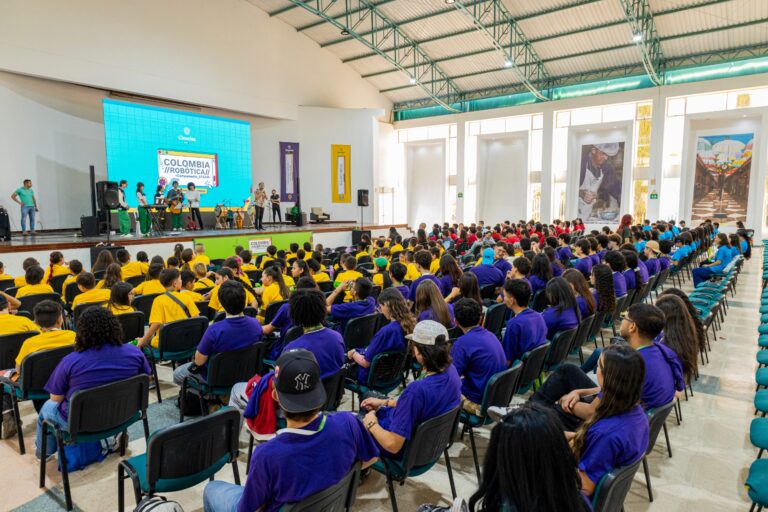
460 139
547 140
656 158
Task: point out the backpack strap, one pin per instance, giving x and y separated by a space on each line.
179 303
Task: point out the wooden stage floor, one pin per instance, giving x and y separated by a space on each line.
72 239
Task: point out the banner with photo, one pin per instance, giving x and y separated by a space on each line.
721 184
289 171
341 183
600 180
202 169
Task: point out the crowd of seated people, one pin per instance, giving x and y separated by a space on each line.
431 293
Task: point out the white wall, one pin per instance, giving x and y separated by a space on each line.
225 53
425 170
502 168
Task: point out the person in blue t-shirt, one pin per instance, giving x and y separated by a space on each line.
618 264
477 355
422 260
486 272
527 329
236 331
391 422
390 338
682 249
397 272
721 260
280 467
362 303
541 272
616 434
665 256
583 262
500 258
563 312
430 305
652 252
282 322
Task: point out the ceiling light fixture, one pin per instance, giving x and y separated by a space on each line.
344 32
637 38
412 80
507 63
450 2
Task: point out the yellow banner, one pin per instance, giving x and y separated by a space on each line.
341 183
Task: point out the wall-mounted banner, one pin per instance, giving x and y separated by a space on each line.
600 181
341 182
202 169
259 245
289 171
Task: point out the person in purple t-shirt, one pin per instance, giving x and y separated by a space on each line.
583 262
281 467
618 263
236 331
100 357
652 252
391 422
486 272
362 302
430 305
563 312
390 338
477 355
527 329
422 260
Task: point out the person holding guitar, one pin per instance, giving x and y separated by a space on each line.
193 198
175 198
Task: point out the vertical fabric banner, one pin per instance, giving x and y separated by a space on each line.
341 182
289 171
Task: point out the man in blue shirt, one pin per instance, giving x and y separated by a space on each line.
362 302
500 258
25 197
308 310
527 329
422 260
682 249
477 355
486 272
280 467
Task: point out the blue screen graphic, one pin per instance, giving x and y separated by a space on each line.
145 143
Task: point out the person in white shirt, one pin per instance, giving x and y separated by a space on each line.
260 199
193 198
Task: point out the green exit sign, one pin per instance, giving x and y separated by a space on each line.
460 195
654 196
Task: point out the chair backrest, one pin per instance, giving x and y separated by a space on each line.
136 280
70 292
375 291
250 311
338 497
386 370
656 419
293 333
182 335
561 343
132 324
364 259
501 388
254 275
225 369
10 344
613 488
217 262
143 303
539 301
488 291
617 310
495 317
359 331
334 390
202 307
583 332
57 282
533 364
194 449
271 311
37 367
80 308
6 284
11 290
99 274
325 286
107 407
29 302
218 317
430 439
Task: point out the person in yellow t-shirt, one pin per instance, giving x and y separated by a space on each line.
381 277
434 266
222 275
247 257
49 315
398 245
12 324
307 251
152 284
129 268
270 256
34 277
86 283
273 289
57 267
349 263
200 257
188 285
165 309
112 276
316 271
412 273
3 275
75 269
120 299
293 248
201 274
27 263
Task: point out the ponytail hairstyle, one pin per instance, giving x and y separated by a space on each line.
277 277
57 258
187 255
399 309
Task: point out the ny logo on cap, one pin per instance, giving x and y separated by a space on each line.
302 381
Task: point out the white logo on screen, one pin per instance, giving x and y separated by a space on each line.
186 137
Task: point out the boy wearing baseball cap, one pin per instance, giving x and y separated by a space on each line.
285 469
391 422
486 272
652 252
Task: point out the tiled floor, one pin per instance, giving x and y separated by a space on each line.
711 449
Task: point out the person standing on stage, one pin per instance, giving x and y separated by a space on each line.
275 200
260 198
193 198
141 198
122 212
28 202
175 194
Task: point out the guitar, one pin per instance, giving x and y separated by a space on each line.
239 220
175 206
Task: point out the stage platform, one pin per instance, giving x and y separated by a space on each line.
60 241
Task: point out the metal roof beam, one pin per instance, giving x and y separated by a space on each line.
557 35
339 16
404 54
644 34
492 19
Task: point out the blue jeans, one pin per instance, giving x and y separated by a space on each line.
28 211
50 412
221 496
701 274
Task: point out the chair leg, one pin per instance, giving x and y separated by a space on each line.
145 422
182 399
157 380
236 471
17 420
43 451
250 452
450 473
666 436
647 479
474 451
64 469
391 489
120 488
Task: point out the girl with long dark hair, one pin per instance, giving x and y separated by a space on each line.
541 272
450 274
103 260
430 304
563 311
701 337
632 274
56 267
584 297
680 333
602 281
468 288
112 276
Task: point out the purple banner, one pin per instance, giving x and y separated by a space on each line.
289 171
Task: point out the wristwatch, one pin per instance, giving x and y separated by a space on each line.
370 424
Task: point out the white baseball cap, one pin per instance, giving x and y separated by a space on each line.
427 332
610 148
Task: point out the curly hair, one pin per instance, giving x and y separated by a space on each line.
398 309
97 327
701 336
602 276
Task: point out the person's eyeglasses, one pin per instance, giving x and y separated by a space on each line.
625 317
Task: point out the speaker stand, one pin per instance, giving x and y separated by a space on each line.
109 227
361 218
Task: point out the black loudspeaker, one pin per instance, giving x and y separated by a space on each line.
107 195
357 235
89 226
362 197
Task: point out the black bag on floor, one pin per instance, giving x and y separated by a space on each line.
191 404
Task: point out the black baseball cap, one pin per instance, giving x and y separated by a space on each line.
298 383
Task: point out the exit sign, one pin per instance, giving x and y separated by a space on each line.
654 196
